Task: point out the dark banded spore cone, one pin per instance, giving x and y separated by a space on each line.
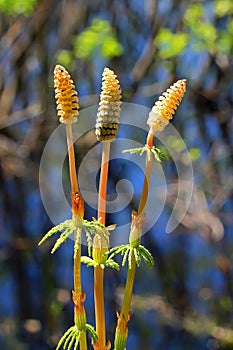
109 107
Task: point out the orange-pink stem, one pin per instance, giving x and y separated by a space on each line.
78 211
103 182
98 251
73 175
150 138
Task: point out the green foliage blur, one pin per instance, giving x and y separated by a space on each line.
198 32
169 44
15 7
99 38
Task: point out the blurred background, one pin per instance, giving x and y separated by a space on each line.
185 300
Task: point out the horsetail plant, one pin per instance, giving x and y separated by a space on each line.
106 131
100 256
159 117
67 107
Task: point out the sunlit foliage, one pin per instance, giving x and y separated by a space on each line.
99 38
14 7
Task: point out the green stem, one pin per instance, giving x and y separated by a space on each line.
128 290
78 286
83 341
121 339
77 269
